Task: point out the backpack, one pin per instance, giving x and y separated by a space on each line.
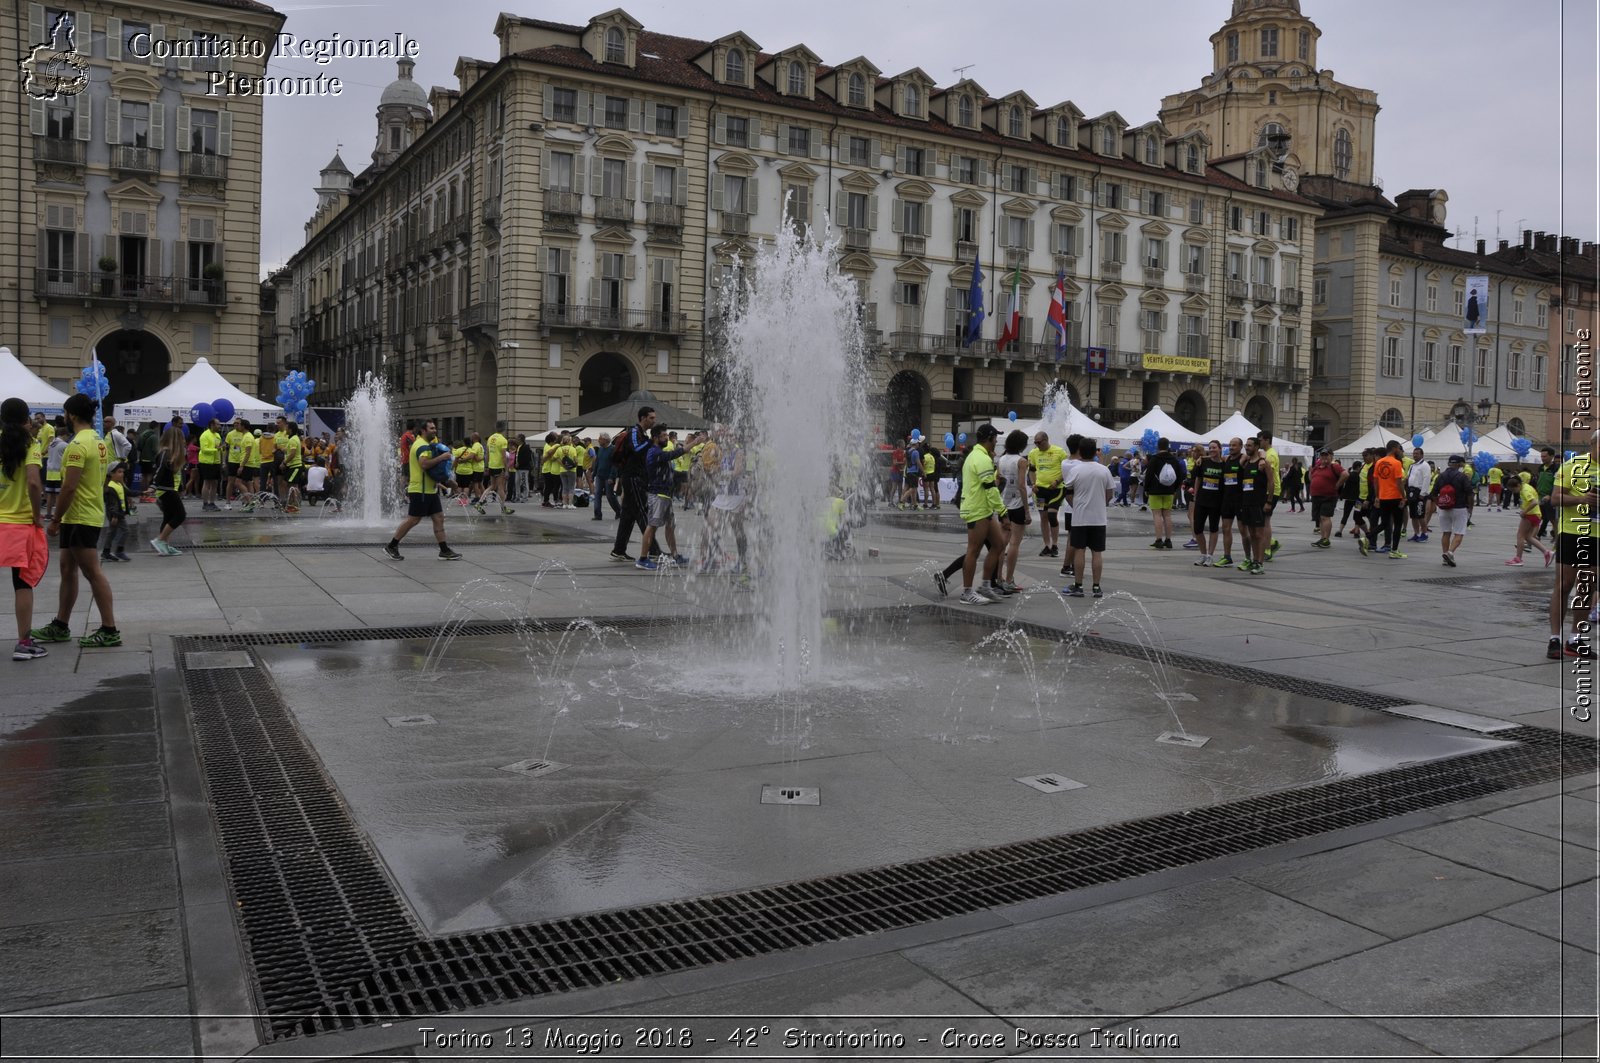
1447 495
1167 476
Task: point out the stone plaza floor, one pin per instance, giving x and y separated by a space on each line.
288 804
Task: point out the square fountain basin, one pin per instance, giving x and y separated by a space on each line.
914 732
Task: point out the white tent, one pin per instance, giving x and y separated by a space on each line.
200 384
1157 419
1503 437
1448 441
1376 436
1241 426
1059 421
18 381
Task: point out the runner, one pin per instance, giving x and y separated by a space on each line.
168 483
23 546
1163 478
1208 479
1048 491
1231 496
1255 483
79 516
984 513
1326 480
294 471
1576 494
1521 487
1452 498
210 465
1419 481
236 441
629 454
1090 485
422 494
497 466
660 484
1269 454
1496 479
1388 473
1013 478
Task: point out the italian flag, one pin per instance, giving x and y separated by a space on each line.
1013 327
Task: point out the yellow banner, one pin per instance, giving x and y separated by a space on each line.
1176 363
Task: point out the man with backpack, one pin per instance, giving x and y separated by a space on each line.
1452 499
1164 476
628 459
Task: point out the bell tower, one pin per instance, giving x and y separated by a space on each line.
1266 90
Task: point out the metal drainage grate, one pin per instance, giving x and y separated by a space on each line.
1188 741
533 768
542 538
419 720
791 795
1051 784
201 660
1476 578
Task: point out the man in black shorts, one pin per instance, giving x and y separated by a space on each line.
80 511
1208 501
1255 489
1230 499
422 494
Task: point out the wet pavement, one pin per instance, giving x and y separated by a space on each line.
112 901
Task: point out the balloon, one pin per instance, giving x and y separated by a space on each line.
1012 415
1521 446
962 438
223 409
311 385
916 433
1150 441
1417 440
202 413
949 440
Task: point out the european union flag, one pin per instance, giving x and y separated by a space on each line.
974 306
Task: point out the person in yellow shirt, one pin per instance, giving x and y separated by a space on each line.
280 445
571 457
236 441
294 469
480 467
1274 486
496 456
550 471
682 462
268 443
1497 479
80 511
1050 492
23 547
251 475
210 464
1528 520
422 494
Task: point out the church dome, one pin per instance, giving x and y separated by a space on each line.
403 90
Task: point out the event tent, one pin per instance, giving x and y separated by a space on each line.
1241 426
1448 442
626 413
1157 419
200 384
1376 436
1066 421
18 381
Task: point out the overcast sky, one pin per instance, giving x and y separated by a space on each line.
1493 102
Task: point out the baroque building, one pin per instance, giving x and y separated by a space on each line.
550 234
134 231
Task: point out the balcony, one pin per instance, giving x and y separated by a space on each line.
1237 289
611 319
664 215
204 167
858 240
1155 276
966 250
491 208
130 158
903 342
1194 282
480 315
913 246
1127 361
98 286
1263 293
58 151
1290 297
735 223
1067 264
1110 271
613 209
1016 258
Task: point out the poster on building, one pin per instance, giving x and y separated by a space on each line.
1094 360
1475 314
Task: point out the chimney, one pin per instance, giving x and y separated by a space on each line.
1572 244
1588 249
1527 239
1504 244
1480 247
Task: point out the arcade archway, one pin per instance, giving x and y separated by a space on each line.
908 404
604 380
137 364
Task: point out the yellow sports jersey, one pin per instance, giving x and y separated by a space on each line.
476 450
280 442
1272 460
1496 476
1529 500
1577 477
210 448
291 453
236 445
681 462
462 461
15 505
415 475
930 465
87 452
1046 462
497 452
47 432
252 453
268 445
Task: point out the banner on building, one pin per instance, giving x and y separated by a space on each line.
1176 363
1094 360
1475 313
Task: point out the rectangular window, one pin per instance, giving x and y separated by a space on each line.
616 112
1291 273
1111 195
916 161
565 106
1305 45
664 184
1066 239
1570 324
1516 311
733 189
1394 291
1392 365
1452 365
797 205
203 132
1197 210
1150 327
60 254
201 255
1236 219
206 47
1116 246
1236 266
1262 353
964 169
1110 323
1235 337
1460 303
1016 232
1541 314
1155 253
1433 298
613 178
135 124
799 140
561 172
1066 187
1289 228
1269 43
135 41
1017 179
1319 291
1194 336
1514 369
60 121
1536 380
1568 367
666 120
966 224
738 131
1481 370
1291 346
1156 203
856 210
858 151
1194 260
1428 366
1263 274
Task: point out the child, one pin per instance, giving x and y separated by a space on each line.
113 546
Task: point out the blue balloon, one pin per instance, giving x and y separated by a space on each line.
311 385
916 433
1012 415
1417 440
223 409
202 414
949 440
962 438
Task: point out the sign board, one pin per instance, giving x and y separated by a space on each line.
1177 363
1475 315
1094 360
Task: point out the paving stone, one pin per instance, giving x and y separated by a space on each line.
1505 851
1574 1044
62 887
1137 956
85 829
80 959
153 1025
1568 915
1477 967
97 752
1571 819
38 791
1389 888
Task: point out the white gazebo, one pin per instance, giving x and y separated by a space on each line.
1376 436
200 384
1241 426
18 381
1447 441
1156 419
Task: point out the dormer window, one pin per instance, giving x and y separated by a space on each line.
797 79
733 66
964 111
856 93
1261 171
1065 134
1014 122
1110 142
616 46
1191 158
913 98
1152 151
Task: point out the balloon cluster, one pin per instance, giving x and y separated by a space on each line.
203 413
1149 441
1482 462
293 391
1468 436
949 441
1521 446
1417 440
93 383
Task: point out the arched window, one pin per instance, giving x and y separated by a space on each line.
797 79
1392 419
1065 134
1152 151
1110 142
1516 427
964 111
1341 154
857 94
913 101
1014 122
1191 158
733 66
1268 131
616 46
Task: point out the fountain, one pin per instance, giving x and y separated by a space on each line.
368 456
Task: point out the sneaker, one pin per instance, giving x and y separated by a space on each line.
28 650
1156 545
972 597
1422 538
1257 569
229 505
1383 549
679 559
1074 591
1166 544
1192 544
1204 562
107 557
1055 551
392 552
101 640
1450 560
1272 549
1323 544
1515 562
617 555
1552 652
122 555
990 593
54 631
1339 534
646 565
1395 555
1577 648
942 581
1361 544
1005 586
449 555
1044 551
1098 593
1225 562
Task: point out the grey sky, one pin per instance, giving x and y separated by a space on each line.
1493 102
